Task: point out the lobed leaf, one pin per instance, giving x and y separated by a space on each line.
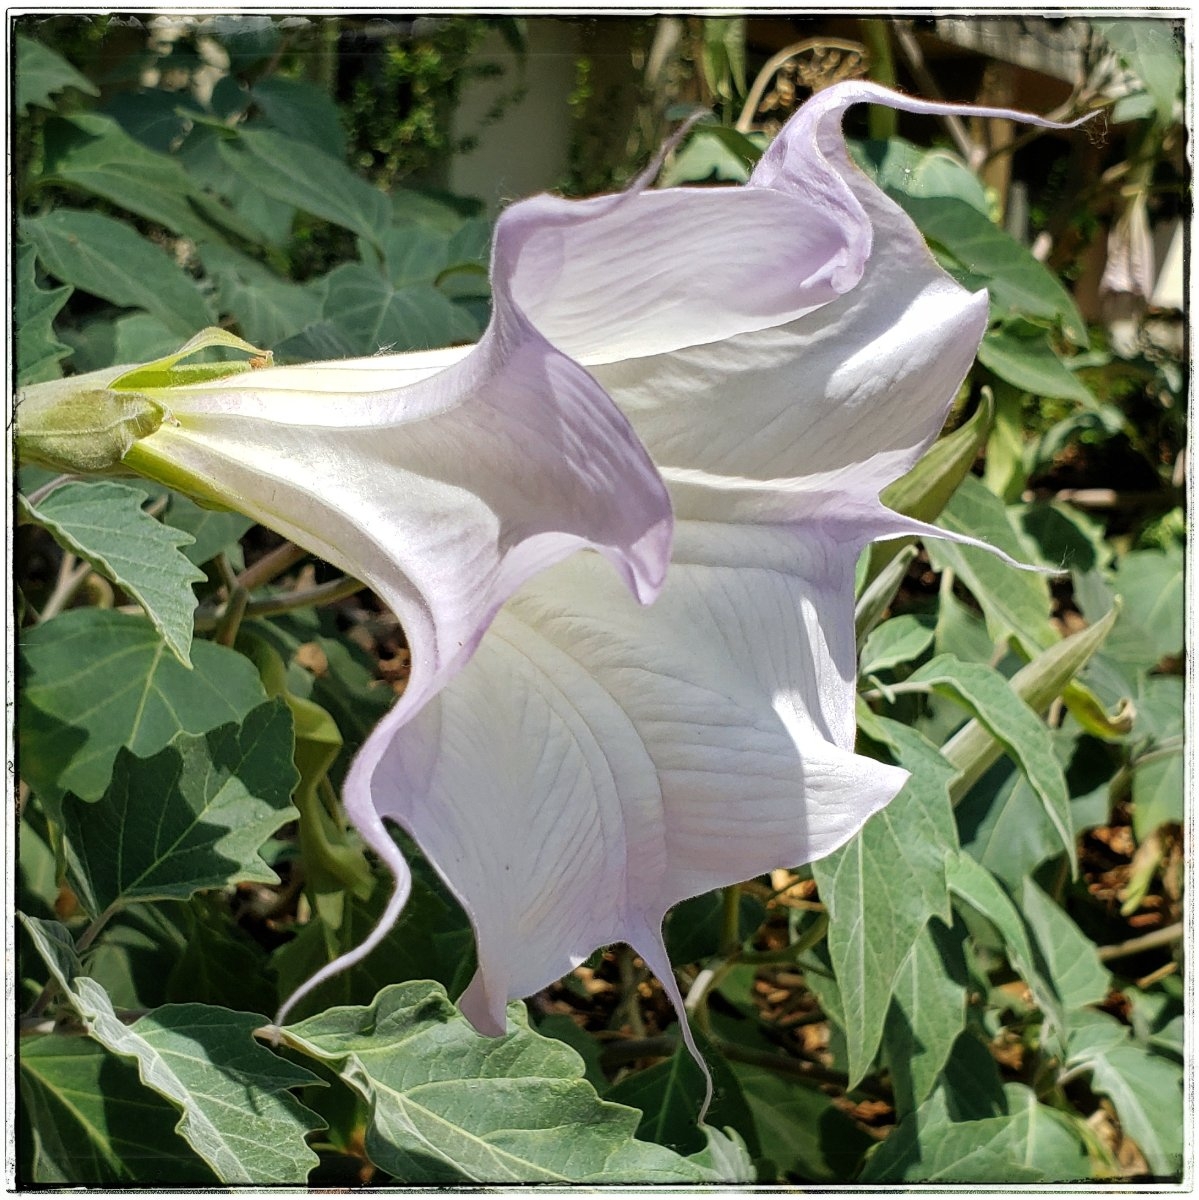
1029 1143
237 1111
93 1123
451 1106
1145 1088
313 181
40 72
106 258
882 888
38 349
1070 957
193 816
95 680
104 523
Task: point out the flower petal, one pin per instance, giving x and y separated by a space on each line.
596 763
442 479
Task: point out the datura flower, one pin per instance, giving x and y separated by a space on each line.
571 762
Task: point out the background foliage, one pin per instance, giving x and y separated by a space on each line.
1013 1012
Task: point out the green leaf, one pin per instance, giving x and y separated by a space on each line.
800 1130
712 153
40 73
1151 584
1021 354
38 349
268 309
564 1029
1015 602
694 930
1152 51
899 166
138 336
432 940
669 1095
211 531
314 181
1030 1143
1070 957
1003 824
373 314
449 1106
93 1122
96 680
888 880
1145 1088
219 963
238 1114
1015 725
106 258
976 886
1158 792
895 642
93 153
928 1010
1019 285
974 748
414 254
928 487
104 523
302 112
200 810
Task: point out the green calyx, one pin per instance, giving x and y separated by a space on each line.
89 424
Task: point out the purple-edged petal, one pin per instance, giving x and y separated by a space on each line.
596 763
443 479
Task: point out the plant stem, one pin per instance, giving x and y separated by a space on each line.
876 33
730 919
1146 941
271 565
230 619
269 606
71 574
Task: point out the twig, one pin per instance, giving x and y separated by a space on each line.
269 606
970 150
271 565
630 1003
71 574
1146 941
39 494
230 619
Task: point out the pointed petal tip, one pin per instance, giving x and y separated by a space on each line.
487 1013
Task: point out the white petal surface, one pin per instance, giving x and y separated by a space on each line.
443 479
596 762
